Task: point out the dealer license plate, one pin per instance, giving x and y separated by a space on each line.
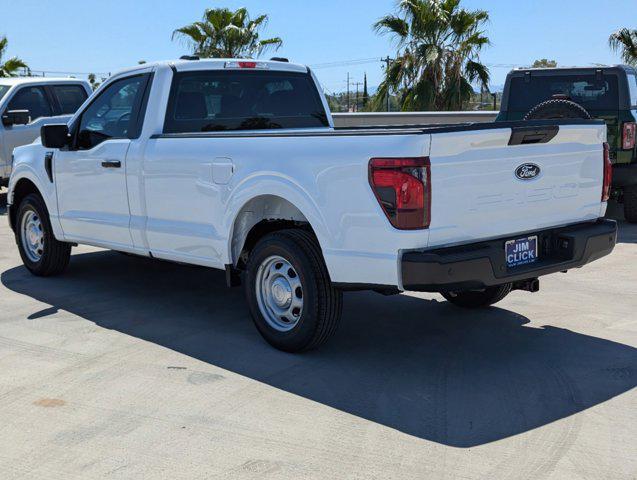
521 251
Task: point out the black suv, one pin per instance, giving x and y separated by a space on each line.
607 93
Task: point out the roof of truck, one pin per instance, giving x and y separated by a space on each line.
568 69
216 63
20 80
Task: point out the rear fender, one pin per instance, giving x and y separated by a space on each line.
301 207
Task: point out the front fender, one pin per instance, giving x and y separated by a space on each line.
29 165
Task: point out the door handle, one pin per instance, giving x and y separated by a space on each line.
111 164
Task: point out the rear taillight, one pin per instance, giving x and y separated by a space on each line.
403 189
608 174
628 135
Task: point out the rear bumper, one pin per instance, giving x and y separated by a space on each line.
483 264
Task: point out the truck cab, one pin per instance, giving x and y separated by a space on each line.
606 93
27 103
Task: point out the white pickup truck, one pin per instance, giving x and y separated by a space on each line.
27 103
236 165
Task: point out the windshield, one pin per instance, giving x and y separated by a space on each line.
4 89
586 90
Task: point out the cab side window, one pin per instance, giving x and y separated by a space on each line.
34 100
69 97
113 114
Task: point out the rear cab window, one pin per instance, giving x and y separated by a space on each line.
589 91
230 100
69 97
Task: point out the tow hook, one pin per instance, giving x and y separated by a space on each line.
531 285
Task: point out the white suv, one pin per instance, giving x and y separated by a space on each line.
27 103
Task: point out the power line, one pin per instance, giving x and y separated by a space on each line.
344 63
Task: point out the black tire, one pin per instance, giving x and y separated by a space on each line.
55 254
556 109
478 298
630 203
322 303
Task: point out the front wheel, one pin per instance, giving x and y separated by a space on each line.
478 298
293 303
41 253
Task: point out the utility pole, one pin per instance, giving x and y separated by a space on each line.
347 92
387 61
495 101
358 84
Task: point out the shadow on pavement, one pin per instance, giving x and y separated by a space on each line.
421 367
3 202
627 233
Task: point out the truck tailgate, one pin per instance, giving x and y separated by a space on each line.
477 195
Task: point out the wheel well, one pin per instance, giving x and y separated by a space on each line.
260 230
259 217
23 188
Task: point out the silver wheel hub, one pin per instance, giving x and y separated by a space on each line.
279 293
32 235
282 292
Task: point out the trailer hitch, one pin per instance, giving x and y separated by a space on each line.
531 285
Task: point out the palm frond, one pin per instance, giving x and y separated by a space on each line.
392 25
10 67
624 41
3 46
226 33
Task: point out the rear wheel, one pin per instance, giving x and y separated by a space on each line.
41 253
630 203
478 298
289 292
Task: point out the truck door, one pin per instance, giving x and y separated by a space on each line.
91 174
36 101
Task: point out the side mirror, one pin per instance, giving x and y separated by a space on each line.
15 117
55 135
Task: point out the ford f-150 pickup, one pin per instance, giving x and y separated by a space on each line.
236 165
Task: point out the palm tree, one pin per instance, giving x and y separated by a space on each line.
92 80
438 54
626 41
11 66
223 33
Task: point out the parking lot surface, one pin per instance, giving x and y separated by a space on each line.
131 368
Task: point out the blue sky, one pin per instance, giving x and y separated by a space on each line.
106 35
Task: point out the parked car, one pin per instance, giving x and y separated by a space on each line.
606 93
27 103
236 165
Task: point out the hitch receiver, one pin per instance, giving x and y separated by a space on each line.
531 285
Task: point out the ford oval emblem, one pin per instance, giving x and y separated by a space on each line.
527 171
